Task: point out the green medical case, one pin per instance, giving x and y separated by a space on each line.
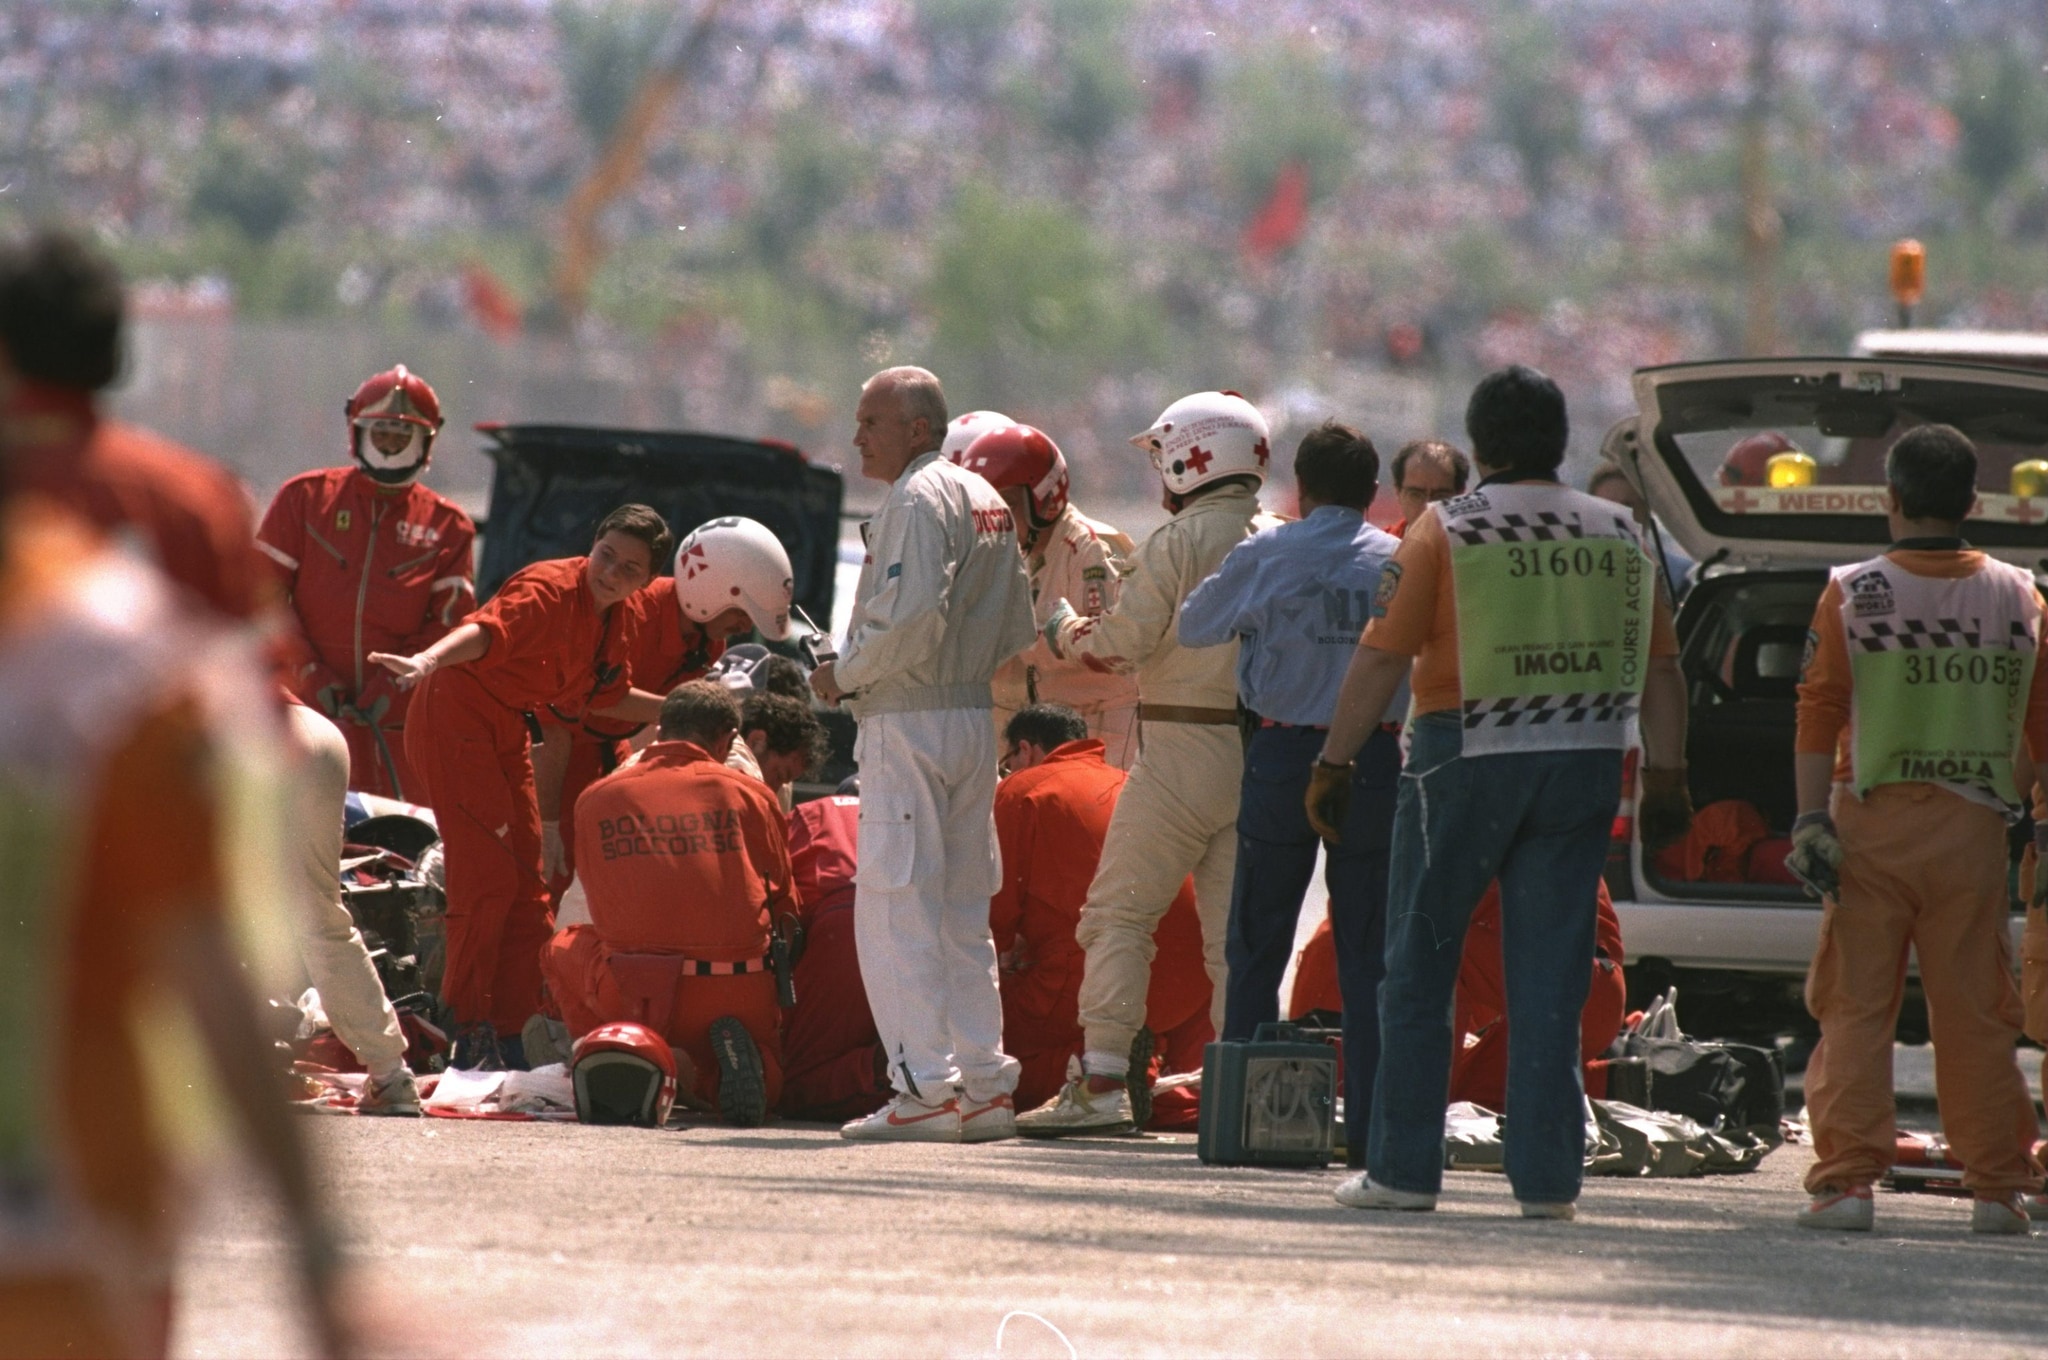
1269 1102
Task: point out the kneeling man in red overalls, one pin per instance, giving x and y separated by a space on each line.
686 865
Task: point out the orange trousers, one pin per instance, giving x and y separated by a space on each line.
472 759
579 976
1922 869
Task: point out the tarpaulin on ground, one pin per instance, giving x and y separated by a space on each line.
544 1093
1621 1140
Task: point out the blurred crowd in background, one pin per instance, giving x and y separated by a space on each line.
1074 208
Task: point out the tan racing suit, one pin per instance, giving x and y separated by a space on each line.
1079 560
1178 814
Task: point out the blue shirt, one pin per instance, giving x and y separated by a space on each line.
1298 595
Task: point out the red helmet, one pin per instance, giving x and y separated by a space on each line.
1018 455
624 1073
1747 461
396 401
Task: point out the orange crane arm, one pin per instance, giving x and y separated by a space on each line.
620 163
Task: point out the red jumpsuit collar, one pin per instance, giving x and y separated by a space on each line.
670 754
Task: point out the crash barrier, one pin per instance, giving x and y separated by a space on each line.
1269 1102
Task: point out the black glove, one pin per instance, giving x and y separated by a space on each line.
1665 814
1329 799
2040 864
1816 858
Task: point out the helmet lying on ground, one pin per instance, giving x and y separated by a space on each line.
624 1073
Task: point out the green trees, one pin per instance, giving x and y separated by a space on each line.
1022 289
2001 112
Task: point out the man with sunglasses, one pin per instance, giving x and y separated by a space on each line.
370 561
1426 471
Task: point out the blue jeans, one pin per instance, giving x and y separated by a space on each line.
1540 822
1276 855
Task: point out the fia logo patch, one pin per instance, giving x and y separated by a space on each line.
1871 594
1383 597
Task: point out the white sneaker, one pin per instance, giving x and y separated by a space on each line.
2002 1217
1358 1192
1076 1109
988 1121
907 1120
1837 1210
397 1094
1562 1210
2036 1207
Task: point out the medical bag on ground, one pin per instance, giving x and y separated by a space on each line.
1723 1087
1269 1102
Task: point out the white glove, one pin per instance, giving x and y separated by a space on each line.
554 861
406 670
1051 632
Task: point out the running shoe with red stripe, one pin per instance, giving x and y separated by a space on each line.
907 1120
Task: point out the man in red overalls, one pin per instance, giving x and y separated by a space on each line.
834 1066
731 575
687 868
1052 813
553 639
371 561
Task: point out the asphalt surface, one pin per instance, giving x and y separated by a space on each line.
534 1239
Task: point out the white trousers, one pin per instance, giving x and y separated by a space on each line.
928 866
1177 816
337 961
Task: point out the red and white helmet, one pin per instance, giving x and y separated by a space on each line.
393 402
964 430
1018 455
1748 460
1204 437
735 562
624 1073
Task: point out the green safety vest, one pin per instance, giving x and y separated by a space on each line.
1940 670
1554 595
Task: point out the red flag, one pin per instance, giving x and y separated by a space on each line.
491 304
1279 223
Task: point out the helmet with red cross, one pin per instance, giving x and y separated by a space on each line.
1206 437
735 563
623 1073
392 420
1025 458
963 430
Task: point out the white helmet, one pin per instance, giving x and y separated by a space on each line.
1204 437
735 561
964 430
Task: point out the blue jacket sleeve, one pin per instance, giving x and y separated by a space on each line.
1215 611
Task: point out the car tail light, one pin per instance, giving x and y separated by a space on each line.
1625 815
1620 871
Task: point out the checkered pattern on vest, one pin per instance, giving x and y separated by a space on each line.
1906 635
1538 709
1544 526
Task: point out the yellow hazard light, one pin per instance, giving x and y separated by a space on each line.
1909 272
2030 478
1789 469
